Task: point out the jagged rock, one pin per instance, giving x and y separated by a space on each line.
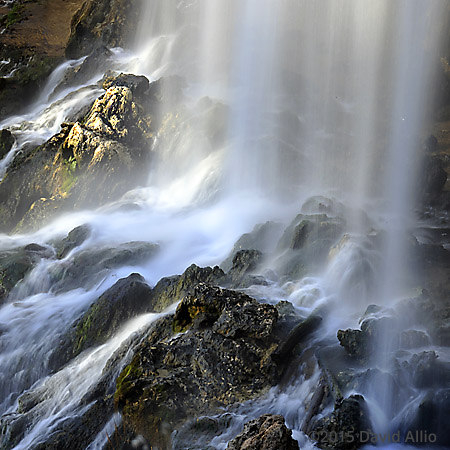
266 433
106 22
125 299
89 266
137 84
223 357
344 427
363 344
6 142
87 164
414 339
244 262
171 289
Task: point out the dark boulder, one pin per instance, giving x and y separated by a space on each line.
172 289
221 357
138 84
266 433
244 263
74 239
106 22
346 428
125 299
6 142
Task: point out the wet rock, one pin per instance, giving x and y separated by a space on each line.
94 64
125 299
197 433
89 266
266 433
306 243
32 72
319 204
244 262
362 344
16 264
414 339
222 357
106 22
261 238
172 289
434 176
137 84
74 239
427 370
87 164
344 427
431 418
6 142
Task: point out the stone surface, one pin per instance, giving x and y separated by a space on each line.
221 356
125 299
266 433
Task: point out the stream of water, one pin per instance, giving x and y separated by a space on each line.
322 97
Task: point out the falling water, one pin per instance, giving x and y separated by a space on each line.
316 97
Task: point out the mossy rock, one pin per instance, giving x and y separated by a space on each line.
125 299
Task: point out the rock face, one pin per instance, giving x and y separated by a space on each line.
344 428
127 298
306 243
106 22
87 164
6 142
266 433
220 356
16 264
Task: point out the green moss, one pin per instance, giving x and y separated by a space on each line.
69 176
124 383
15 15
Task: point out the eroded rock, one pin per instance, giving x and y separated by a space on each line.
266 433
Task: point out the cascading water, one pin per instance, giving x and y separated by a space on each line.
317 97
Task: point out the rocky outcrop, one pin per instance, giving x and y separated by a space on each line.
266 433
346 428
220 356
89 163
125 299
107 22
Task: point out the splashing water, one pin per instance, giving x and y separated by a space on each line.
317 97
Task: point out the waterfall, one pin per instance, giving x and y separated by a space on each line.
310 97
